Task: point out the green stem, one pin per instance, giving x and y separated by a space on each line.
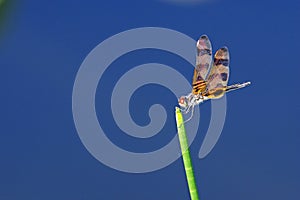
186 156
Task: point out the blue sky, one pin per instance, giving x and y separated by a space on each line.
42 46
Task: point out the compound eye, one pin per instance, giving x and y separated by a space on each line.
181 100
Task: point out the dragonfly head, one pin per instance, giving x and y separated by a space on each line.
183 102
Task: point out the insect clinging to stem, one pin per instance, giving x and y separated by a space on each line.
210 76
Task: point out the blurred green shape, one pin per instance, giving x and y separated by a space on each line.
3 5
186 155
5 8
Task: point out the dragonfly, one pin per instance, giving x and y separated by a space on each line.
210 77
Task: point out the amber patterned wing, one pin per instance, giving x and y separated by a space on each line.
203 63
218 76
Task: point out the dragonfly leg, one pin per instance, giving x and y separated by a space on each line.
187 110
183 110
191 115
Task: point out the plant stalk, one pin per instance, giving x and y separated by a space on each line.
186 156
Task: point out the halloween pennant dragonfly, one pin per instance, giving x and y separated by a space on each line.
210 77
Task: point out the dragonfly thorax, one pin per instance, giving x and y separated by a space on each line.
190 100
196 99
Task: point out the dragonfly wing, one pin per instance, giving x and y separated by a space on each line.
219 75
203 64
